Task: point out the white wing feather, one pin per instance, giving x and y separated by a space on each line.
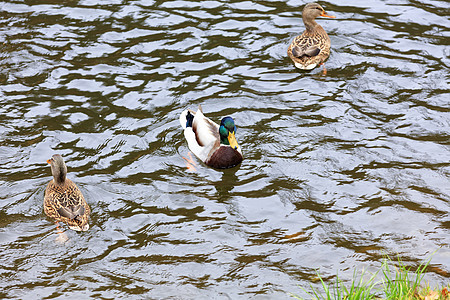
206 134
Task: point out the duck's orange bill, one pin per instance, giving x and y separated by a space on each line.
324 14
49 161
232 140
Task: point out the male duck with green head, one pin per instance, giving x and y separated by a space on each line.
215 145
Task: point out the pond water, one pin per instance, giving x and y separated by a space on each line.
339 169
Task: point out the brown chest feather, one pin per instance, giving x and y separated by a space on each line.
224 157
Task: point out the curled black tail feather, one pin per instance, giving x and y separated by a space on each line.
189 119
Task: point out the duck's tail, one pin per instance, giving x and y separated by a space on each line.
184 118
187 117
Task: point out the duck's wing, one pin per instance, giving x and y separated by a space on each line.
201 133
71 212
206 131
310 51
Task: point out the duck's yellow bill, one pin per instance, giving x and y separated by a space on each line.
324 14
232 140
49 161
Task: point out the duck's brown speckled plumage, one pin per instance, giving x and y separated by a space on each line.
63 200
312 47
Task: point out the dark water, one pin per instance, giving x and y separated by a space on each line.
339 170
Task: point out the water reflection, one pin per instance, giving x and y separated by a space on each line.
338 169
225 186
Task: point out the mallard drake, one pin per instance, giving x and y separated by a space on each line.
215 145
312 47
63 200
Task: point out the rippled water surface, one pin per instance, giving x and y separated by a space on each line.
339 169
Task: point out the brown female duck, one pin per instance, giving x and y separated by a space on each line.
312 47
63 200
215 145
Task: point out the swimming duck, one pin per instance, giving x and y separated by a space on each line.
63 200
215 145
312 47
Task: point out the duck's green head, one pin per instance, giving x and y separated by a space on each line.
227 132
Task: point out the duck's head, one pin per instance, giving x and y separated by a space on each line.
312 11
59 169
227 132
